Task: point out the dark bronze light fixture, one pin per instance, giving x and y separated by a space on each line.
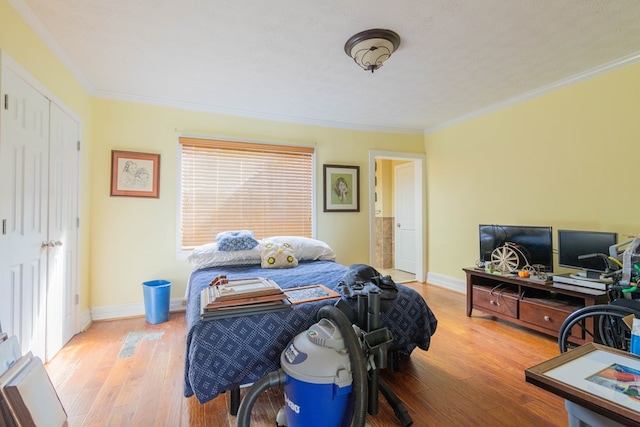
369 49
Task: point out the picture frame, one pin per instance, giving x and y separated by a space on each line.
341 188
309 293
135 174
587 377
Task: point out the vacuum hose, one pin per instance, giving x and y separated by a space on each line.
356 358
358 372
272 379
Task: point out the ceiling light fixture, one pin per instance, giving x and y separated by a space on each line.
369 49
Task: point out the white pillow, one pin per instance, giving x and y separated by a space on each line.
277 255
306 249
208 255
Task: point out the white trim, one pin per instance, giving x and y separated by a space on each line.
107 312
116 96
447 282
421 209
593 72
38 27
85 319
8 62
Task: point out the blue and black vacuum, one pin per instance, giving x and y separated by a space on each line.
325 375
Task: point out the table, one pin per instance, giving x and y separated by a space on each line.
587 377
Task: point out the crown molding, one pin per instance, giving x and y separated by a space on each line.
585 75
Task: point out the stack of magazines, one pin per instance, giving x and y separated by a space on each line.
241 297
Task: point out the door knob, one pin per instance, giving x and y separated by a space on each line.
50 244
398 225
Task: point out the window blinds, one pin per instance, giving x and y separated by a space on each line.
227 185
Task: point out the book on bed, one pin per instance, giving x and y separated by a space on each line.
224 289
247 310
241 297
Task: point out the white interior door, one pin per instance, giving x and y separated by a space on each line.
405 211
24 147
62 230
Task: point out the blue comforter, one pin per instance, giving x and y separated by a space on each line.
225 353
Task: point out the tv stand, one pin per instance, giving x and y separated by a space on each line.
527 302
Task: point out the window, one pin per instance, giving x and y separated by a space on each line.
229 185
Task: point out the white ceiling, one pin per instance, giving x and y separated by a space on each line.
285 60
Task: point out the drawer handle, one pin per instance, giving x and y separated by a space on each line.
547 318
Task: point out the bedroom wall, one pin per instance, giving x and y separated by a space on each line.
134 239
567 159
27 49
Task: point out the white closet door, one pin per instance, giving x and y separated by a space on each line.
24 147
63 234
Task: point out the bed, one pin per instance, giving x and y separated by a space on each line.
223 354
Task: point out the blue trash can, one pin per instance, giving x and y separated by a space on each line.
157 294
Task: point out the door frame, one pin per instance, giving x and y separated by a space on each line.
7 62
419 161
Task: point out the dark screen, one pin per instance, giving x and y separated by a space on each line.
536 242
573 243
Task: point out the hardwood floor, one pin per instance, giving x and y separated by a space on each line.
130 373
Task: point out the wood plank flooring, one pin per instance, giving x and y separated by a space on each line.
473 375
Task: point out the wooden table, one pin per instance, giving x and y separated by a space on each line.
574 376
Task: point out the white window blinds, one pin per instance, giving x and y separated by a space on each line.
227 185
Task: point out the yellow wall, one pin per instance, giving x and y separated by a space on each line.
567 159
134 239
125 241
23 45
564 159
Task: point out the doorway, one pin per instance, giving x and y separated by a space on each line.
397 215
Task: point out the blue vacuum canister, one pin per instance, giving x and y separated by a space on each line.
318 384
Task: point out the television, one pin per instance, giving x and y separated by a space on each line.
535 242
573 245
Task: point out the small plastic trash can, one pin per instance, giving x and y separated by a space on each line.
157 294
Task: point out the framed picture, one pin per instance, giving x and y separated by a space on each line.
135 174
341 188
600 378
309 293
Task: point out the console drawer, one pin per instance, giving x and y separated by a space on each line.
496 299
546 313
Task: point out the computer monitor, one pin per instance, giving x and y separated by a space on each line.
573 245
536 241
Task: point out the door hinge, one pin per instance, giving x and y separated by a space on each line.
77 222
6 101
4 226
77 299
78 145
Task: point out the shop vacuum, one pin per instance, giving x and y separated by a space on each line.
330 373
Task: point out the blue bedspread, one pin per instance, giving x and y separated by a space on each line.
225 353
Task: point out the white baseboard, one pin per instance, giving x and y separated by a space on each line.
108 312
447 282
85 319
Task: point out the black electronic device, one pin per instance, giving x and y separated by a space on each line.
577 250
536 242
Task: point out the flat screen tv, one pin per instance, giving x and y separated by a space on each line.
572 244
536 241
